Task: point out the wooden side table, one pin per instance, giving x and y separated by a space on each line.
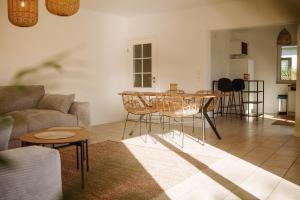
80 140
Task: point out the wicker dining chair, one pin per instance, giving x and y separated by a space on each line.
176 106
171 92
137 105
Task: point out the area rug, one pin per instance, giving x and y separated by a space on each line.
284 121
115 174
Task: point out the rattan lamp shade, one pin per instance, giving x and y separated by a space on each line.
23 13
63 7
284 37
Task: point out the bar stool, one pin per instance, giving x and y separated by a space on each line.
226 89
238 86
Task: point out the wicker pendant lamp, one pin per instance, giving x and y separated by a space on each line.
23 13
63 7
284 37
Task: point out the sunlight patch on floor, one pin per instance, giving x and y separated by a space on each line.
279 119
173 173
226 176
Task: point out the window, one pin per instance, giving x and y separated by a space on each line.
142 65
287 64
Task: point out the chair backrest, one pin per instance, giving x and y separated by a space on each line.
225 85
215 103
178 106
202 100
134 104
238 84
204 92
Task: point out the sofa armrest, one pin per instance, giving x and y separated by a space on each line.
33 173
82 111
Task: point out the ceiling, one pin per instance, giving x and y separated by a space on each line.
141 7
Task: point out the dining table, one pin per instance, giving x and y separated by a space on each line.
208 99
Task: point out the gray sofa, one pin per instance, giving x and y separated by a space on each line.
33 173
23 104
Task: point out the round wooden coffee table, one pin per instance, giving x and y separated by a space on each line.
79 139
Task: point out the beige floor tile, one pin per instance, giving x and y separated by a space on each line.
247 163
293 174
280 161
260 184
285 190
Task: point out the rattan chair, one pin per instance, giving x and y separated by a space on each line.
136 104
176 106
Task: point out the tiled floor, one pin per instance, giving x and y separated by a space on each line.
254 159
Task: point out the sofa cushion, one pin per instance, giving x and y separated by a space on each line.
6 124
19 97
57 102
36 119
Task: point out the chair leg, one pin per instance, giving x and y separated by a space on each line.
228 104
148 131
182 132
219 107
234 102
125 127
146 121
163 122
222 104
241 107
140 122
242 102
203 128
162 126
193 123
150 121
173 127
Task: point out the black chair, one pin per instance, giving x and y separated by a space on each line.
238 86
226 89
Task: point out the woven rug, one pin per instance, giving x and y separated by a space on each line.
114 174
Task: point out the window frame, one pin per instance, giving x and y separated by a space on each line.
278 68
142 59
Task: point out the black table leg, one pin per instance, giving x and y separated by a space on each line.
83 150
77 156
81 163
208 118
87 155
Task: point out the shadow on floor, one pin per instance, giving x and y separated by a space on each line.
206 170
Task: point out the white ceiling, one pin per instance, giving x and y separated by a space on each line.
140 7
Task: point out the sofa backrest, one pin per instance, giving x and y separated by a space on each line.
20 97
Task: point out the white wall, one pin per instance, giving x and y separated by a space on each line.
220 54
183 37
95 69
262 48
